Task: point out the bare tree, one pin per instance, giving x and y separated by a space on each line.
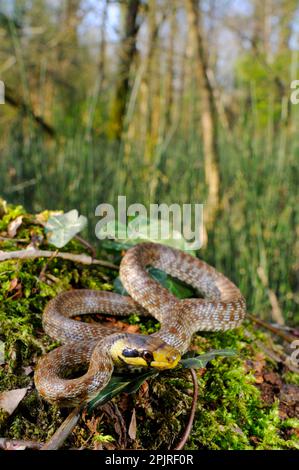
127 54
208 113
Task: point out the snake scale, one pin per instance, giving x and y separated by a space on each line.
100 349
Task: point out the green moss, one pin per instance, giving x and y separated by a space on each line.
291 378
10 213
231 413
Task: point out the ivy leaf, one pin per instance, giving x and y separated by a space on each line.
130 384
176 287
118 384
140 229
118 287
201 361
61 228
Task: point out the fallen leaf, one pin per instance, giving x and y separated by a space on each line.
16 286
259 379
13 284
133 426
27 370
10 400
13 226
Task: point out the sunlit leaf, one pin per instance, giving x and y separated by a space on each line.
120 237
61 228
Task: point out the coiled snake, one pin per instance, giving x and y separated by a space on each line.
101 349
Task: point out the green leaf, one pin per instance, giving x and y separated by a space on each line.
201 361
61 228
118 384
117 236
177 288
131 383
118 287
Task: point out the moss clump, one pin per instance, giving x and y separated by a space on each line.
232 412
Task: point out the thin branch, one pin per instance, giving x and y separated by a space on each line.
33 253
62 433
16 240
87 245
271 328
280 358
20 104
188 428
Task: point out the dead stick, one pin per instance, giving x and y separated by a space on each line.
15 444
188 429
64 430
271 328
87 245
34 253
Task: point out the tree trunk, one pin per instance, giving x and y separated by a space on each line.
127 54
208 115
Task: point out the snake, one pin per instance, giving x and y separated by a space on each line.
98 350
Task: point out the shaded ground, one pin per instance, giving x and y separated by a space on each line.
250 401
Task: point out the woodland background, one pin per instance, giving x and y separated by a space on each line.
177 101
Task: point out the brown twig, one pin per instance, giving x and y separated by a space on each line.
87 245
279 358
32 253
276 310
16 240
188 428
45 267
271 328
64 430
18 102
16 444
111 410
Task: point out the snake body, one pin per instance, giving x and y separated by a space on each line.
102 349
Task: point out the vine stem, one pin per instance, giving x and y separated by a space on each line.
188 428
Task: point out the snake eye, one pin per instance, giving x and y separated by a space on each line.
130 352
147 356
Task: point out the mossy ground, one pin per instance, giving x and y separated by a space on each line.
233 411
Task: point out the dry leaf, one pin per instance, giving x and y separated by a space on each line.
13 284
27 370
259 379
13 226
133 426
10 400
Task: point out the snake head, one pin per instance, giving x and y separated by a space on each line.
144 351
